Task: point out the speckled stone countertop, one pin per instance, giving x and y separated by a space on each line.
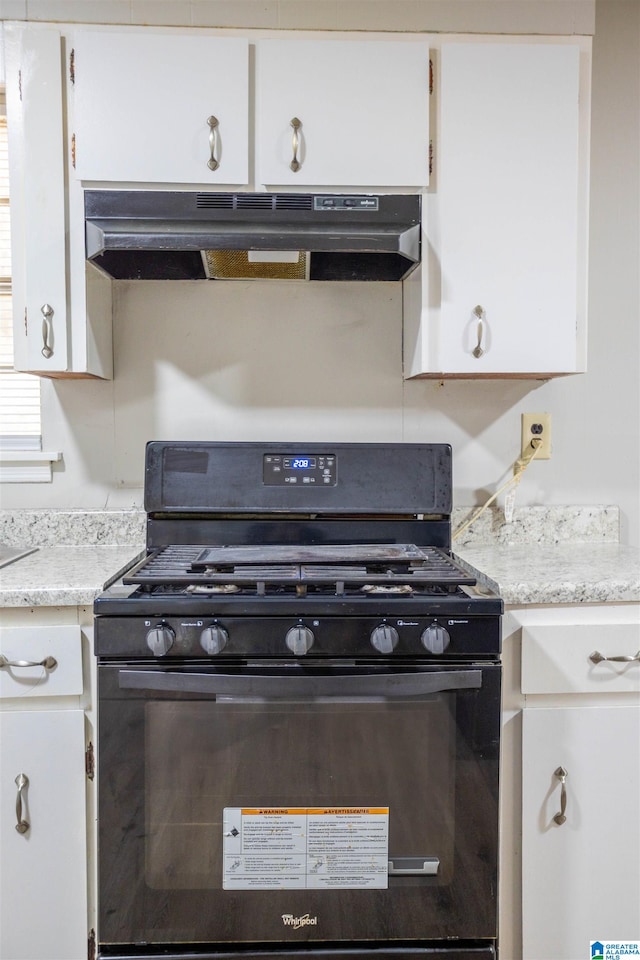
545 555
525 573
551 555
62 576
79 552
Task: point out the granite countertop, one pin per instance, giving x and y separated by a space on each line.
525 573
548 555
70 576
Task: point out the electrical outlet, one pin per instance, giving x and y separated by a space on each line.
537 425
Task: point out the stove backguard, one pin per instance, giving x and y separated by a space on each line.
311 478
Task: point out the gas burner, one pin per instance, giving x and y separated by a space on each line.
400 588
210 588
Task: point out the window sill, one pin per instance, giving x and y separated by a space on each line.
27 466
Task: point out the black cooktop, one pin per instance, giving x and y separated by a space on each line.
404 567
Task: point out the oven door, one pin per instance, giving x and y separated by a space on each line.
297 804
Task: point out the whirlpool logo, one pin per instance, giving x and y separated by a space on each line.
297 922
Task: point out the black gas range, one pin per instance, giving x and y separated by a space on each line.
245 532
298 713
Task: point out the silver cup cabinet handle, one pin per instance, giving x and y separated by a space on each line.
22 782
561 775
478 350
49 663
212 163
295 144
47 312
597 657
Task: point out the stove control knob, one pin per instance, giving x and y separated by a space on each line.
435 638
214 639
384 638
299 639
160 639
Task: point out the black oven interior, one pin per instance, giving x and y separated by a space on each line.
295 764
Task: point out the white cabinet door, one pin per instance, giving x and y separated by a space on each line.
60 328
36 169
43 885
580 879
503 276
362 107
142 103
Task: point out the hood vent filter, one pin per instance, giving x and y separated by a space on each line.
241 265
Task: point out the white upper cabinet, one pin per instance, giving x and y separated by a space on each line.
60 330
501 290
502 287
343 113
36 169
160 107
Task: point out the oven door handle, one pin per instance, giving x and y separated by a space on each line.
301 686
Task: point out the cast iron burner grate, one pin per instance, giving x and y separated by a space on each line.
368 567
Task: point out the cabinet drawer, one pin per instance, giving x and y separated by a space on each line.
556 658
25 648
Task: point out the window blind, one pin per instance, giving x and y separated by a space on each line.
19 392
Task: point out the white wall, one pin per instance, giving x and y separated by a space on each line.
323 361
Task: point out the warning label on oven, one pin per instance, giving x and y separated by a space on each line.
305 847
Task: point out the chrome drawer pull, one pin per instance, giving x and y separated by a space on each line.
22 781
478 350
295 144
47 312
212 163
49 663
597 657
562 775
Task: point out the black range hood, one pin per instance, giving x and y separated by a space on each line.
183 235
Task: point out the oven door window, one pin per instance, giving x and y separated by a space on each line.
229 802
262 757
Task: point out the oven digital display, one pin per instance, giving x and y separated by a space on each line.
302 469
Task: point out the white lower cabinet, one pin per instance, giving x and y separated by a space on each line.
581 876
43 795
43 886
578 879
